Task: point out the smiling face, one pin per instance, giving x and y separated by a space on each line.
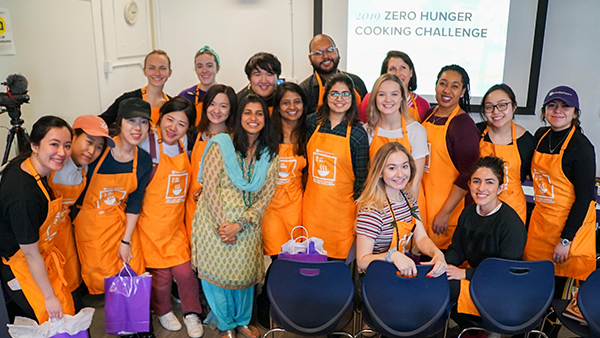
253 119
134 130
485 188
206 69
449 89
328 61
389 98
53 150
218 110
86 148
396 173
290 106
559 115
398 67
492 107
262 82
157 70
173 126
339 98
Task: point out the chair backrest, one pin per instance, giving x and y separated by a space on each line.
588 301
309 297
512 296
404 307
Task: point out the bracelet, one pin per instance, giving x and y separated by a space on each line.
388 256
125 242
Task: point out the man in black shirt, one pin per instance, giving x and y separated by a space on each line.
324 58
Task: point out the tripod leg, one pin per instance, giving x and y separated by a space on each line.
9 140
22 140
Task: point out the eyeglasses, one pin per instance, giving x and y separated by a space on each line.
502 106
346 95
320 52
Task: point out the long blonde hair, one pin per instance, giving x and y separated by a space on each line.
373 114
374 196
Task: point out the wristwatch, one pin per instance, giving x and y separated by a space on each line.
565 241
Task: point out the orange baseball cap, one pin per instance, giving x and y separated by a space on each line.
94 126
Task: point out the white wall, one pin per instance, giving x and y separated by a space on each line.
54 43
62 46
235 29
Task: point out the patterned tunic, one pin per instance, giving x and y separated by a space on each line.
241 265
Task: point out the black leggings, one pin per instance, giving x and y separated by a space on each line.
21 301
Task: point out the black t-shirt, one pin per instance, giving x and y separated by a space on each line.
499 235
23 209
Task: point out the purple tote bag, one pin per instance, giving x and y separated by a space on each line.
127 302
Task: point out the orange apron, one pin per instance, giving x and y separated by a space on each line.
52 256
329 211
161 223
198 104
438 180
379 141
413 111
465 302
155 115
554 196
322 92
100 225
190 204
65 238
284 212
403 230
513 194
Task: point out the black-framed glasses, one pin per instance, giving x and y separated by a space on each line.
346 95
502 106
320 52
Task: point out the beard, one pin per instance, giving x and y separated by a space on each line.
319 69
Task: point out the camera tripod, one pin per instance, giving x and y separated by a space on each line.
17 131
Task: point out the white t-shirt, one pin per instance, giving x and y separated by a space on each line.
169 150
70 174
417 137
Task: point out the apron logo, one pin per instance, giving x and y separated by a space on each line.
428 158
177 187
506 175
111 197
322 167
544 191
287 168
404 241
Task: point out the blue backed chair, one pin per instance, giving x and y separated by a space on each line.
512 296
588 301
310 299
397 306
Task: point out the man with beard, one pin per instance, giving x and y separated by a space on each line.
324 58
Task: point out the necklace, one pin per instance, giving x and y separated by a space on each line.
556 146
247 196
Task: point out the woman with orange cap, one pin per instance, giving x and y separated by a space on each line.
90 136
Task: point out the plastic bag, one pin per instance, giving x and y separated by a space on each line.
310 250
68 326
127 302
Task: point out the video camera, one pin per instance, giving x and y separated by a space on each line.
15 95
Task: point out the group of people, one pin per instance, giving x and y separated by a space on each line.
204 184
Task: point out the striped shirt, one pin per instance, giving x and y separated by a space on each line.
377 226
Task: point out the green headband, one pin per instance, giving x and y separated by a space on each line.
208 49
